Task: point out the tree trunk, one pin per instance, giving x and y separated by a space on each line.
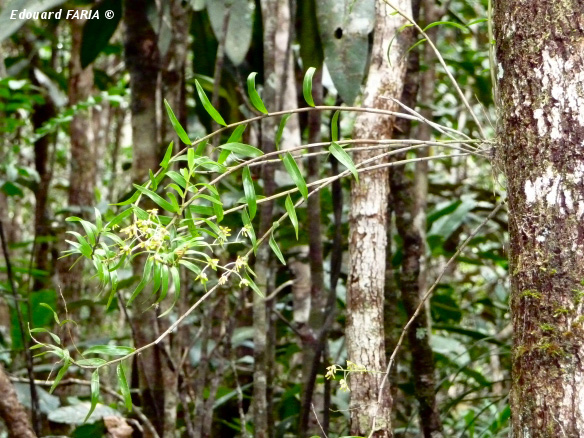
12 412
367 236
541 133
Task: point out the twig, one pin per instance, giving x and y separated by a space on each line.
317 420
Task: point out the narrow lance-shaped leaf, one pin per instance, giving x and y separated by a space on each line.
157 198
280 131
207 105
295 174
242 149
94 393
167 156
235 137
307 86
276 249
176 125
124 388
250 231
344 158
60 374
292 214
248 188
109 350
254 96
335 126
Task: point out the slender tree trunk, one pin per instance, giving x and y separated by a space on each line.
269 9
82 173
541 133
367 236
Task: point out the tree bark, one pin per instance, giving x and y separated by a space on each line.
12 412
541 133
367 236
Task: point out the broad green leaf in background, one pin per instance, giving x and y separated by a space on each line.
307 86
344 29
97 33
248 188
239 29
254 96
176 125
344 158
207 105
292 214
295 174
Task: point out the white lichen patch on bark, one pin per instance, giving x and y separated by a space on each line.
561 80
555 189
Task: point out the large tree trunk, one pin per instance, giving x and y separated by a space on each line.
367 237
540 70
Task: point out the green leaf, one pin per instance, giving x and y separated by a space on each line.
191 159
94 393
44 330
177 178
120 217
124 388
335 126
157 199
97 33
84 247
252 236
60 374
344 158
55 316
242 149
249 190
164 282
207 105
190 266
255 98
95 362
446 23
235 137
109 350
89 228
307 86
144 281
176 124
281 127
176 282
167 155
292 214
295 174
276 249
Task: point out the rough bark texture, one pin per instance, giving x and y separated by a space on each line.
12 412
367 237
540 55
